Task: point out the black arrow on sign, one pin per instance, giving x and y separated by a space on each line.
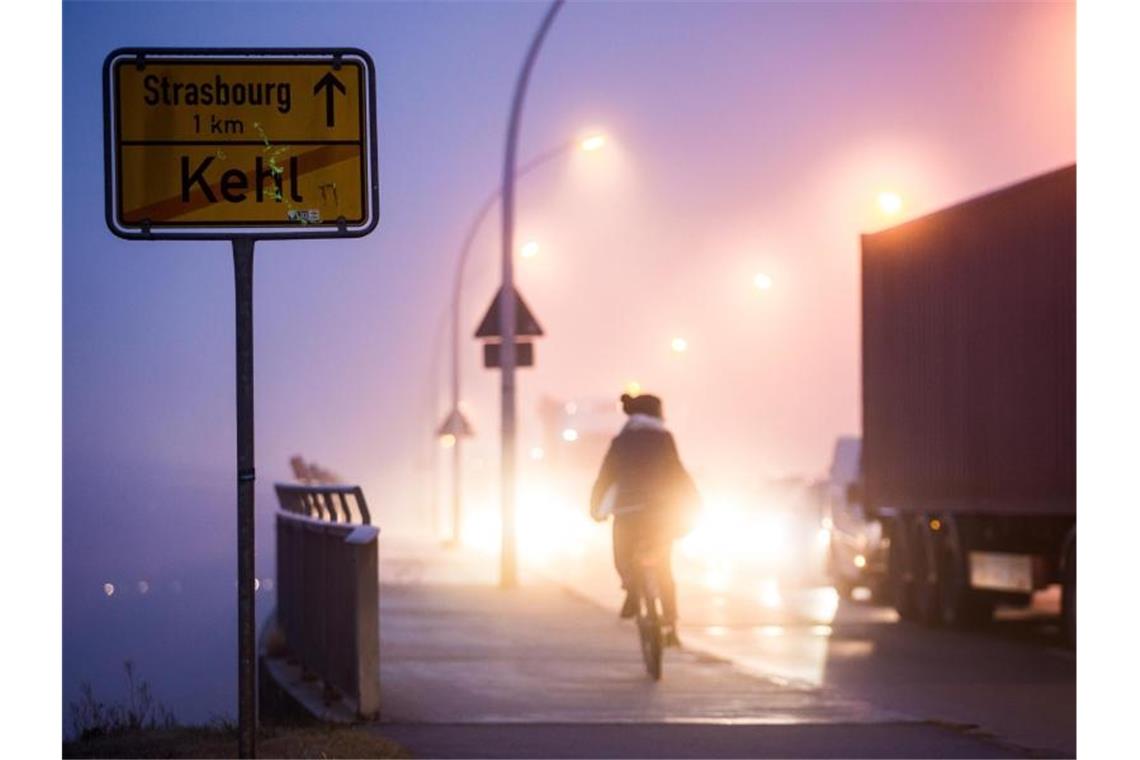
327 83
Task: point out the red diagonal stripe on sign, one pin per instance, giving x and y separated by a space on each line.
174 207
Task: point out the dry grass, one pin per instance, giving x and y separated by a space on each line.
203 742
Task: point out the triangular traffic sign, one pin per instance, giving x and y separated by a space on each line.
457 425
525 323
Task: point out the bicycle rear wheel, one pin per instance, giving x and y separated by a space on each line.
652 645
649 624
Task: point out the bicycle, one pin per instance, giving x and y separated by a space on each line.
649 614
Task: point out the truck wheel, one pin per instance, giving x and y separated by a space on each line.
842 586
900 569
926 567
960 606
1069 594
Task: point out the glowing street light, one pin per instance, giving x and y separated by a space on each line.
447 440
633 388
570 435
592 143
529 249
890 203
762 281
680 345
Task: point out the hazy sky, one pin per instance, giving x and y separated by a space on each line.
743 138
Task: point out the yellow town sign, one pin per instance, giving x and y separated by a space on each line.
223 143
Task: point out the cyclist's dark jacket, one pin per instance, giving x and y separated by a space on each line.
642 462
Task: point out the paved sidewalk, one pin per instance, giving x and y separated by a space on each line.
475 654
468 670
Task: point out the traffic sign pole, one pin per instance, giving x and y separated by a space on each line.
508 571
247 624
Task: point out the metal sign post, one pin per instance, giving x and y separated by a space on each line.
247 622
493 329
457 427
508 570
240 145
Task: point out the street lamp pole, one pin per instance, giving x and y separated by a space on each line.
508 570
456 304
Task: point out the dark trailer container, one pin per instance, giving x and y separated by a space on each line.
969 400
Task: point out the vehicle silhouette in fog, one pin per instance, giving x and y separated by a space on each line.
856 547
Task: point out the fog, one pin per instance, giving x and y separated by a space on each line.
741 139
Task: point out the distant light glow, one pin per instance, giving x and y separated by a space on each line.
256 584
770 594
824 537
481 531
936 524
718 577
109 589
529 249
823 604
821 630
447 440
550 525
633 388
537 454
860 560
680 345
143 587
592 143
890 203
569 435
729 528
762 281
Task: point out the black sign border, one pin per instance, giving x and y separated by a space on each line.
298 231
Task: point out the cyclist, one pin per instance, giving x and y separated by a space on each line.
652 498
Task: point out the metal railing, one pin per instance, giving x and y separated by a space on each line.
324 502
327 593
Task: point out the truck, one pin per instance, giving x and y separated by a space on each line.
969 401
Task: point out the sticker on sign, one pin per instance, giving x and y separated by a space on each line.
221 143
